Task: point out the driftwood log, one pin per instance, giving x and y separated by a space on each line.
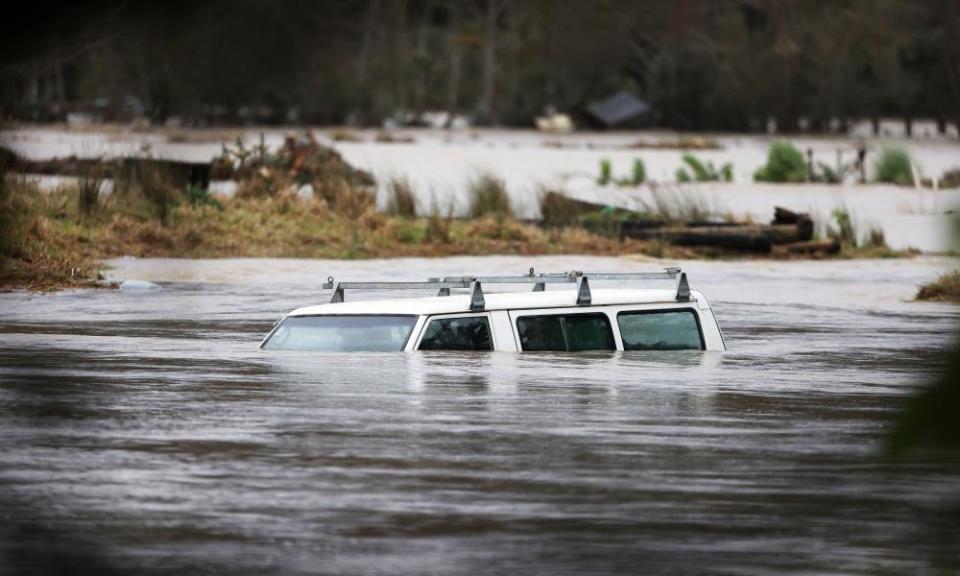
810 248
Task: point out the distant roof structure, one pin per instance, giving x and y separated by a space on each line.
618 108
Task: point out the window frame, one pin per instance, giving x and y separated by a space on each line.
688 309
516 315
431 317
403 348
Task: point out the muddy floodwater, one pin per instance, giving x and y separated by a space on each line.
144 432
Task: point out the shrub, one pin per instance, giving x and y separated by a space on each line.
488 195
558 210
946 288
438 227
639 174
875 238
784 164
88 190
827 174
845 233
156 186
893 166
606 172
198 196
401 200
950 179
703 172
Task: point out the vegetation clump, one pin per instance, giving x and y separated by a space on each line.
950 179
697 170
639 174
401 200
785 163
298 163
893 166
488 195
606 172
946 288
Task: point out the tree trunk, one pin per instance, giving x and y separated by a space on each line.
456 59
487 111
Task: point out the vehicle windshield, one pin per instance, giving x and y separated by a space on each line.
342 333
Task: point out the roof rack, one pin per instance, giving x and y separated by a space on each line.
539 281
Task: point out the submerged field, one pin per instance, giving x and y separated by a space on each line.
352 195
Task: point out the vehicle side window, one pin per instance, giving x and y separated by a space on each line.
565 333
660 330
471 333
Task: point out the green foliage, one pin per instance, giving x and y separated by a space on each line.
639 174
785 163
606 172
827 174
845 232
893 166
930 419
698 171
197 196
488 195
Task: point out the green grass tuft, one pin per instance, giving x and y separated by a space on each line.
785 163
893 166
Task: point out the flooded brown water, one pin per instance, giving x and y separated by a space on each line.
146 433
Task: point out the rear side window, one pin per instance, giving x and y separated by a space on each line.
565 333
660 330
471 333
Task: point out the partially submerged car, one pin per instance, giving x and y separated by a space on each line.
530 321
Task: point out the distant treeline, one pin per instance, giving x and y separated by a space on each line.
701 64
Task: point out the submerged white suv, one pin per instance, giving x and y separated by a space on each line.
557 320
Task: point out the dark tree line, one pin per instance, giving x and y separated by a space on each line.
702 64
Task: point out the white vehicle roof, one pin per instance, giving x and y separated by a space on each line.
460 303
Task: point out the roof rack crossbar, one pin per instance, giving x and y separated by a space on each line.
474 284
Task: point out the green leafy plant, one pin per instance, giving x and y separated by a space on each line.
845 233
606 172
698 171
785 163
639 174
893 166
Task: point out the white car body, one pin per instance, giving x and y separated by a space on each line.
503 310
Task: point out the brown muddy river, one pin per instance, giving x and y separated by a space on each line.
146 433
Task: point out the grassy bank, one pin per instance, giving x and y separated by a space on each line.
303 200
55 239
946 288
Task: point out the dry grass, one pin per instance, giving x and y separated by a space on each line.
401 199
946 288
48 244
488 195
